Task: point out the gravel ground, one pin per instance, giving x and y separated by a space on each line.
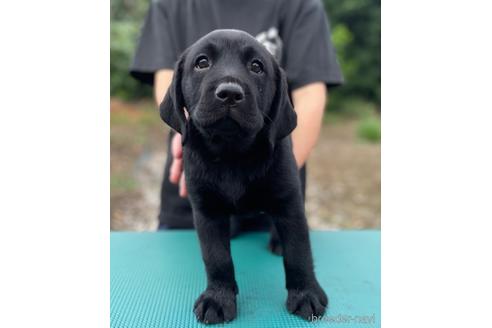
344 181
343 190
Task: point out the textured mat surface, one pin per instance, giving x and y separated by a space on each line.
156 277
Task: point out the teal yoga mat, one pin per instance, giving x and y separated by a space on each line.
156 277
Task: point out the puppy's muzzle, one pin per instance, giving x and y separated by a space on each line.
229 93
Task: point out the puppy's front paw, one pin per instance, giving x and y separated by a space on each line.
307 303
215 306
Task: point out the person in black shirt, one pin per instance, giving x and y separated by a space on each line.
296 32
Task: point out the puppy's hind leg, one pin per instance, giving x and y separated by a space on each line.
217 304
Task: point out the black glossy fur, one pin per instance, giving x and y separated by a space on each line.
238 158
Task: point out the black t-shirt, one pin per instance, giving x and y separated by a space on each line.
296 32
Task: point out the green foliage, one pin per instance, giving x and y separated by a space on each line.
362 113
129 10
356 34
126 20
369 129
355 108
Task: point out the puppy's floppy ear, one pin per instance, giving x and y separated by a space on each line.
172 107
282 114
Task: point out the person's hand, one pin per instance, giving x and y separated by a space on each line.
176 174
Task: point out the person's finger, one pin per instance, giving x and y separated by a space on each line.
176 170
183 192
176 146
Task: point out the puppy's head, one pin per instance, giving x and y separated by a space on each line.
233 90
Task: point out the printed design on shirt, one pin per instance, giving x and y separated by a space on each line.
272 42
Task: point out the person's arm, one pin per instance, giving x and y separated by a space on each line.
162 81
309 103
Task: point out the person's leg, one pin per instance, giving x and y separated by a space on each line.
175 211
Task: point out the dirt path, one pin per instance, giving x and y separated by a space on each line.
344 181
343 189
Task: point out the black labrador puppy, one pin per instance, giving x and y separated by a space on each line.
229 100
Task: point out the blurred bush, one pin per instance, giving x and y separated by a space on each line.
369 129
126 19
355 32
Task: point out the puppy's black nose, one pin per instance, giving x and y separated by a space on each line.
229 92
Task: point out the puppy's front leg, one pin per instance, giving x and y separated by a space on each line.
217 303
305 296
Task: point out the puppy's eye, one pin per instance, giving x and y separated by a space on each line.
256 67
202 62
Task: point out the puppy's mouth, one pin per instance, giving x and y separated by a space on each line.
227 122
225 126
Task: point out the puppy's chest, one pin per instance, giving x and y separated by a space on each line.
229 183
